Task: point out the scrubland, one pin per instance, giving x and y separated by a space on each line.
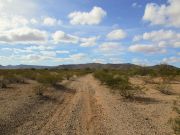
90 101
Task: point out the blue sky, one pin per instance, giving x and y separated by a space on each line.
54 32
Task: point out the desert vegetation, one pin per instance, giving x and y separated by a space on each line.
45 99
175 122
117 81
43 76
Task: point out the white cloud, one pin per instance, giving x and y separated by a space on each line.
136 5
62 37
177 44
16 21
140 61
145 48
23 35
48 53
99 60
168 15
77 56
86 42
72 58
39 48
15 50
13 22
62 52
34 58
172 60
34 21
161 37
49 21
116 34
18 7
95 16
158 35
111 47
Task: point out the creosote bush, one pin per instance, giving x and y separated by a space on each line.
48 79
39 90
3 84
117 82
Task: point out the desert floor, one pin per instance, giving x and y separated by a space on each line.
85 107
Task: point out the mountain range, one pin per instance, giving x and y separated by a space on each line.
80 66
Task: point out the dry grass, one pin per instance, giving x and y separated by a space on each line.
164 88
175 122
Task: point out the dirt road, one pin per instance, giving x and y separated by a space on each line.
91 110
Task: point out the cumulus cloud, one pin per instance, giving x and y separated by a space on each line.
161 37
95 16
23 35
30 58
49 21
35 58
171 60
16 21
87 42
139 61
168 15
72 58
158 35
20 7
13 22
111 47
62 37
116 34
146 48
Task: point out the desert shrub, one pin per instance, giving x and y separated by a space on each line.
13 78
167 72
164 88
39 90
175 122
68 75
117 82
3 84
48 79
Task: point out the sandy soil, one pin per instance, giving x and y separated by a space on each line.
83 108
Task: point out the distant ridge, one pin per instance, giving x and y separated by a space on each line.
23 67
98 66
82 66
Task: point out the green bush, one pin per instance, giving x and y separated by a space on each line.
117 82
48 79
